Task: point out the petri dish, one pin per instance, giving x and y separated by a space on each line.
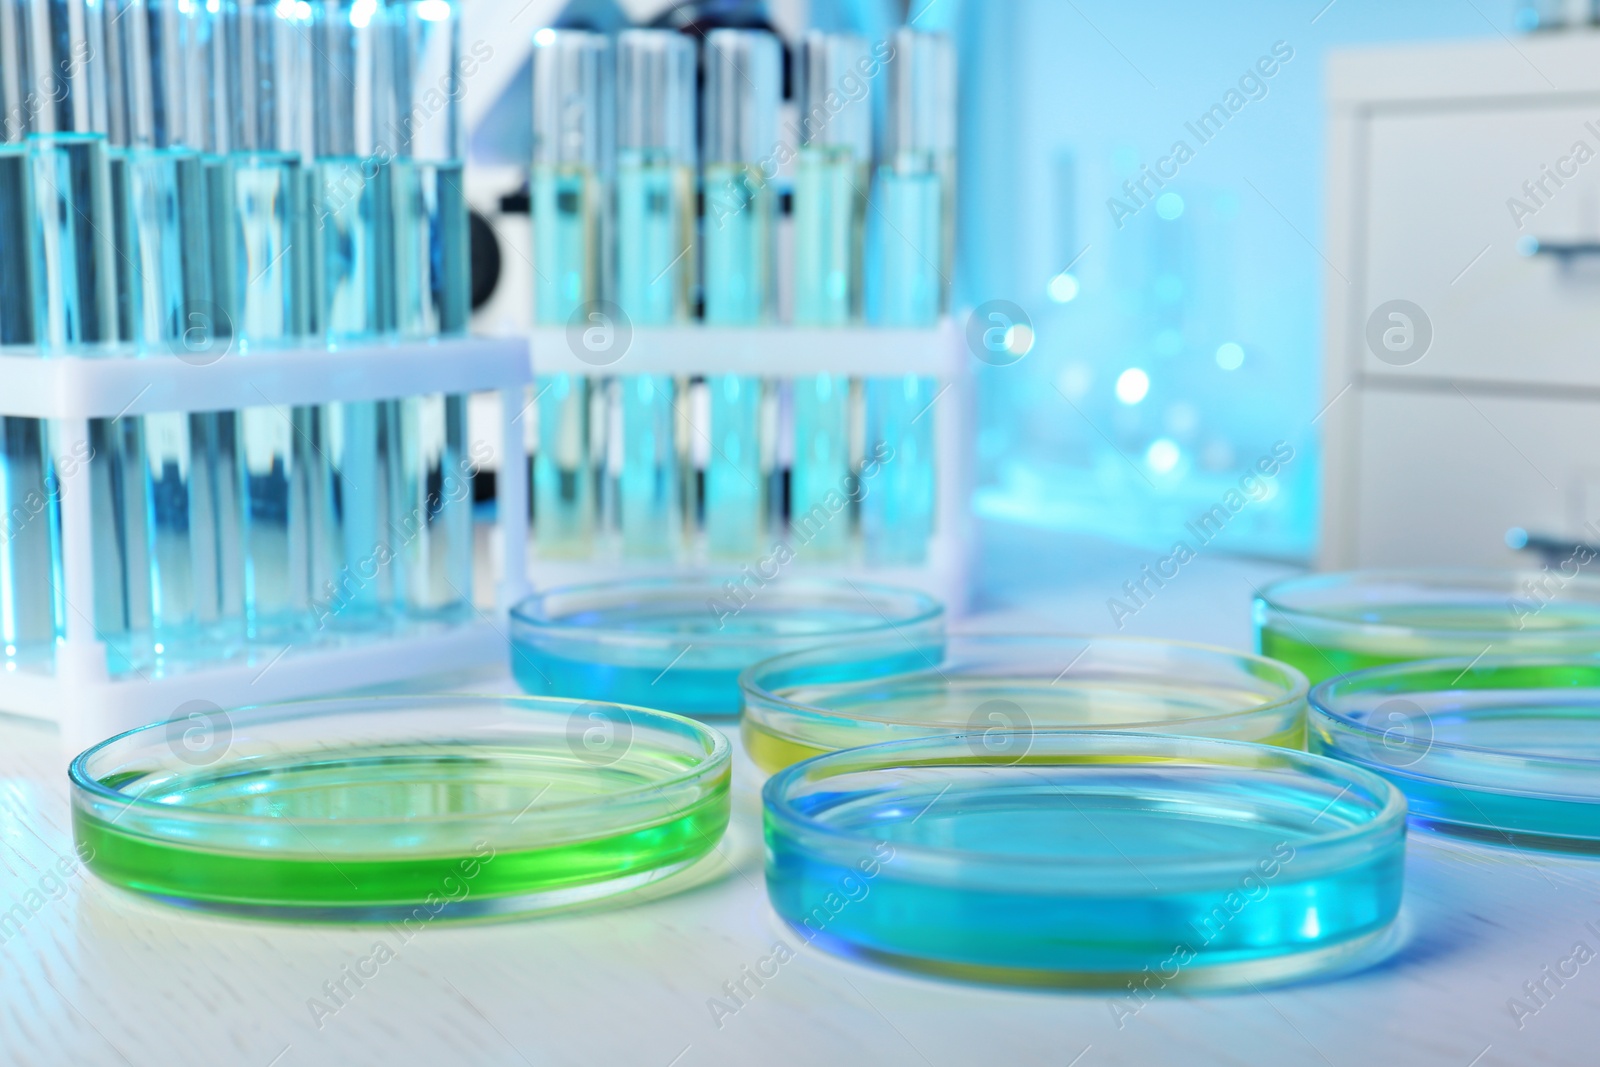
679 643
1504 750
1101 859
1332 624
400 808
848 694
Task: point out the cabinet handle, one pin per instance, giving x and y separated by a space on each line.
1564 251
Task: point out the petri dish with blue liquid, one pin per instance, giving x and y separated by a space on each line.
678 644
1331 624
1132 862
1502 750
401 809
853 693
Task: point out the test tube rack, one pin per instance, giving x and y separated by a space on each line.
77 688
777 354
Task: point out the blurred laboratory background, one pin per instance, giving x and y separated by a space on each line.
1173 326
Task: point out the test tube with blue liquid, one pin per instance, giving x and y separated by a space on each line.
168 569
430 518
354 270
914 237
571 108
743 74
831 179
30 614
260 183
655 270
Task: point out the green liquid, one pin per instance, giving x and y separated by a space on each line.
388 826
1465 630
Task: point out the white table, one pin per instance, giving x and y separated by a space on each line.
98 976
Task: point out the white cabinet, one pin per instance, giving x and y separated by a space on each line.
1462 371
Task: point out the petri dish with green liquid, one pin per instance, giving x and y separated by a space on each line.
1121 861
680 643
401 808
1504 750
852 693
1331 624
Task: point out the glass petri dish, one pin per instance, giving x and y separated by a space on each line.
1332 624
848 694
1505 750
1100 859
679 643
1096 859
395 808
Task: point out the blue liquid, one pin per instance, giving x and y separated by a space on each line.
897 517
897 512
738 292
566 252
563 481
648 507
702 692
821 464
829 210
983 916
29 532
432 266
430 518
655 270
689 664
76 286
17 219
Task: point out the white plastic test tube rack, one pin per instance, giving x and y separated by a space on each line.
81 693
778 354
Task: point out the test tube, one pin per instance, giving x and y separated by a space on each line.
571 107
168 483
28 524
355 270
914 239
832 175
259 185
655 269
743 71
430 515
62 119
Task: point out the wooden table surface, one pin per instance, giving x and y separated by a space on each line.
98 976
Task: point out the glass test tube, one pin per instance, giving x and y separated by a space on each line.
260 187
655 268
914 197
743 72
28 520
354 285
431 514
166 483
830 198
571 101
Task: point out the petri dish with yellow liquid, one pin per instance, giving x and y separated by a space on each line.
847 694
